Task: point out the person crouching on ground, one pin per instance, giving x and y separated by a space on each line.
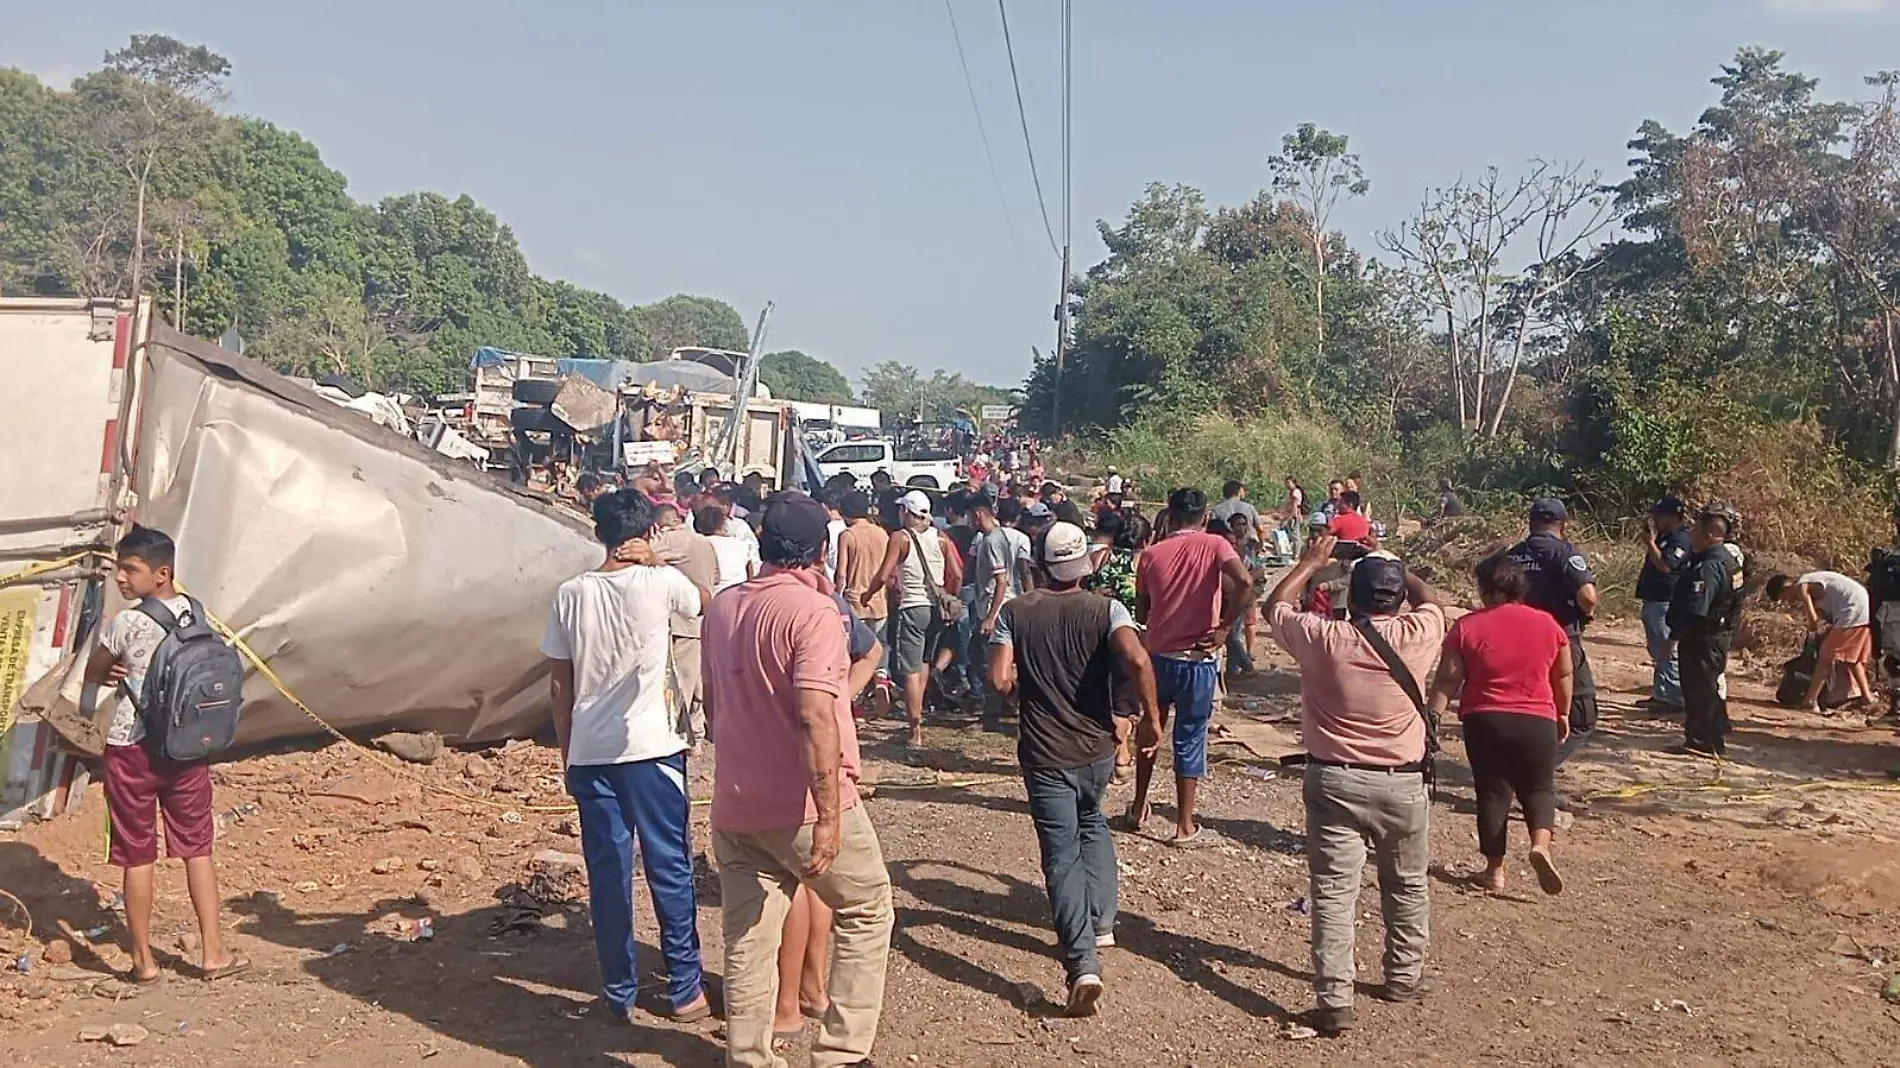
785 805
1509 666
1058 648
139 783
1839 610
624 746
1365 781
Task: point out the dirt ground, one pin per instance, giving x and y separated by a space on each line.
1748 922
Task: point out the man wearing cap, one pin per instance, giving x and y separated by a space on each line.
920 565
1665 554
785 802
1562 584
1114 483
1058 648
1366 745
1702 621
1190 587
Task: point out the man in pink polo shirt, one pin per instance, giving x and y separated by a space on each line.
1366 741
1190 587
785 800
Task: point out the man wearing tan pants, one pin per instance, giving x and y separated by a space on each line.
785 802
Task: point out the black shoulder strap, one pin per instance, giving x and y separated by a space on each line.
1393 664
923 563
1403 676
157 611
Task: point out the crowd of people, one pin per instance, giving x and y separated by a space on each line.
770 624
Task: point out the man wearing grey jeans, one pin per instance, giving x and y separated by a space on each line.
1365 782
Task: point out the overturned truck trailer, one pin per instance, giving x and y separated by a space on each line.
387 585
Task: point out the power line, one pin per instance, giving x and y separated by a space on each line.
996 176
1041 204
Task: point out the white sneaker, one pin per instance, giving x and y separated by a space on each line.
1105 941
1083 994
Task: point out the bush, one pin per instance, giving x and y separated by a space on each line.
1260 451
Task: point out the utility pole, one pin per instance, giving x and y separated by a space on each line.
1062 301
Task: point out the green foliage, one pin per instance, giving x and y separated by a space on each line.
244 225
792 375
1209 450
1748 309
901 394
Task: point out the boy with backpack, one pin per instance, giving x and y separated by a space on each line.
164 655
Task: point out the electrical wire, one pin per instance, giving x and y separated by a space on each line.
996 177
1029 147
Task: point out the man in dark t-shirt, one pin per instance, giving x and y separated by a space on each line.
1058 648
1665 557
1562 584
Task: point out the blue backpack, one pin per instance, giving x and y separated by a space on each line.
193 688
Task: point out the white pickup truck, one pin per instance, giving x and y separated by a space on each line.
862 459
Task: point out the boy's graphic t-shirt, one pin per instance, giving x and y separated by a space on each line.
133 637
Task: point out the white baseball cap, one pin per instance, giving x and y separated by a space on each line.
916 503
1065 552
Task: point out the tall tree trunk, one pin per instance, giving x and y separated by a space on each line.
1319 288
1893 383
138 227
1510 380
1457 365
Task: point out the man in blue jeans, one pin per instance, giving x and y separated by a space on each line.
1057 648
623 741
1666 554
1190 587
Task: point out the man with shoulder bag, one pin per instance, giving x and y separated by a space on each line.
1370 744
923 572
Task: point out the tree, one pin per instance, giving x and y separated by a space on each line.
163 90
1455 249
1314 170
681 321
792 375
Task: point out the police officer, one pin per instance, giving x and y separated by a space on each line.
1666 554
1703 615
1562 584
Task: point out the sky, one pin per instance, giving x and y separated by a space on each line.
823 154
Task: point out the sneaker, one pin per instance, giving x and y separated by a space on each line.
1083 994
1105 941
1331 1022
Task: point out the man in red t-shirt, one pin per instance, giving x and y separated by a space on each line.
1190 587
1349 524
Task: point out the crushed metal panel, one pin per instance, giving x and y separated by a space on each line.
583 405
388 585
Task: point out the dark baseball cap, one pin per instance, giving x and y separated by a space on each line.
1378 584
1668 506
1548 510
793 528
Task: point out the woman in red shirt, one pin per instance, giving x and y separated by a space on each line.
1509 666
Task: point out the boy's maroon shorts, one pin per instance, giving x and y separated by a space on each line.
138 785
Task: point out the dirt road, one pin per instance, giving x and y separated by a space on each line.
1748 923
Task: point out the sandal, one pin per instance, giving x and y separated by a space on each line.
1546 869
212 975
1202 837
1130 822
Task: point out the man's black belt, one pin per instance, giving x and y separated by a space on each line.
1414 768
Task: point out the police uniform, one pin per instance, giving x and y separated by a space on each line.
1555 571
1703 616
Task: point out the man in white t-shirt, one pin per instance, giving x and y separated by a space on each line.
624 741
